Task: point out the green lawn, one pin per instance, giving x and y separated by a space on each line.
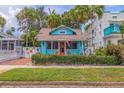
64 74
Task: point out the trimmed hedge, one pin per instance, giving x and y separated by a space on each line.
74 59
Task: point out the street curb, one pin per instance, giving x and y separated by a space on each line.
79 83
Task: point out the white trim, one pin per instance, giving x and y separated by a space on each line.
112 35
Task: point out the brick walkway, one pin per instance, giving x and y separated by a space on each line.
22 61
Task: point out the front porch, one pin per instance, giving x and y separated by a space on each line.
9 49
61 47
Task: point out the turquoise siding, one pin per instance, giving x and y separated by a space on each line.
113 28
66 30
51 51
43 47
78 51
73 51
44 50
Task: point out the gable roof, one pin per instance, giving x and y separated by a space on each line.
45 36
62 26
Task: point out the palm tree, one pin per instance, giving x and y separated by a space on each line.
81 13
2 23
86 12
54 19
122 29
96 9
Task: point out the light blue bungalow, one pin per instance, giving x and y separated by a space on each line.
61 41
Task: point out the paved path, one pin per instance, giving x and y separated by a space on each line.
30 66
22 61
7 65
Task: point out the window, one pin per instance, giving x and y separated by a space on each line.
48 45
62 32
109 42
11 45
71 45
74 45
114 17
18 43
68 45
52 45
4 45
55 45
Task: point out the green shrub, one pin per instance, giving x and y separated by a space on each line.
74 59
122 49
115 50
100 52
37 56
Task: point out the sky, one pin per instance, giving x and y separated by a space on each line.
9 12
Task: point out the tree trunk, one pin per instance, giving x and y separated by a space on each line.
122 35
27 39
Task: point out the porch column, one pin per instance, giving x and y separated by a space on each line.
14 45
0 44
65 48
8 45
58 47
51 46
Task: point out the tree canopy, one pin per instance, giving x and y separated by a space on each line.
54 19
2 22
31 19
34 18
75 16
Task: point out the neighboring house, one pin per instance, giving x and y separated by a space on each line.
104 31
110 26
10 47
61 41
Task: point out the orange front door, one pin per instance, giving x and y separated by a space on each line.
62 48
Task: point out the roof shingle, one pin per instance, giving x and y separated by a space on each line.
45 36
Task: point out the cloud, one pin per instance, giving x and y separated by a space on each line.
9 15
13 11
3 15
11 18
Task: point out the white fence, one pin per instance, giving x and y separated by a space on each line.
29 51
26 52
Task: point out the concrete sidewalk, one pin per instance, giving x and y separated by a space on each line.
31 66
